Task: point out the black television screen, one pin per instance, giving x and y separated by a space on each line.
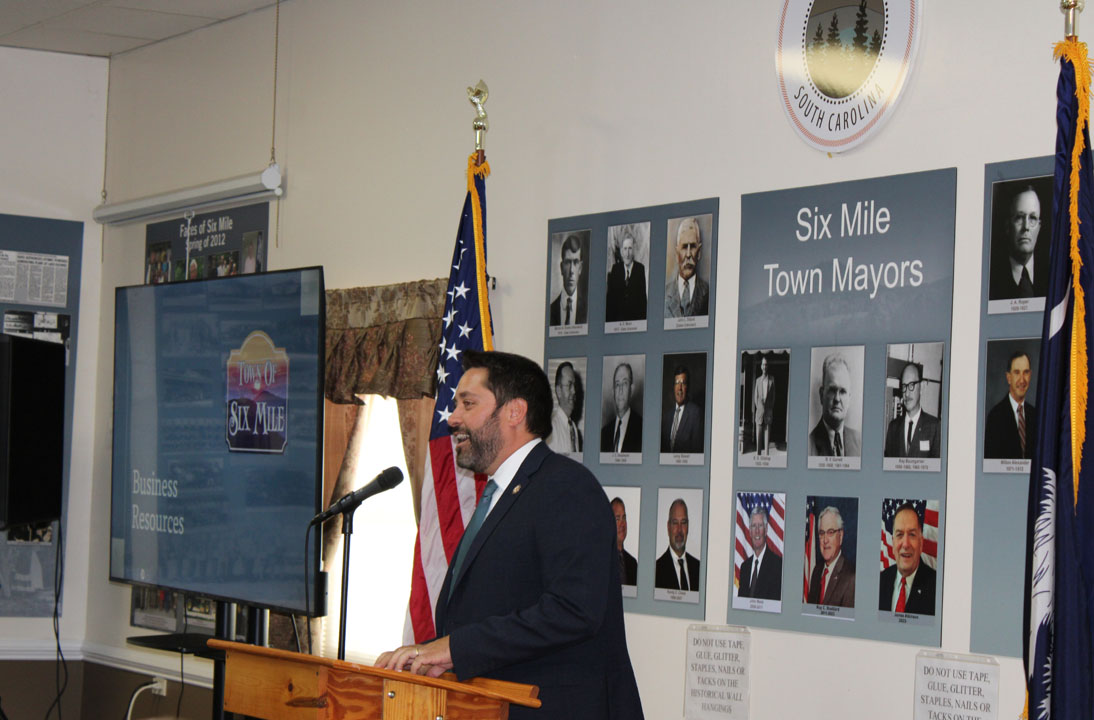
217 456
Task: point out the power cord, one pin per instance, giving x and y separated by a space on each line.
133 697
61 667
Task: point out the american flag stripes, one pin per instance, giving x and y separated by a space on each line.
928 512
449 493
775 506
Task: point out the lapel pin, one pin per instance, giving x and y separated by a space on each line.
516 489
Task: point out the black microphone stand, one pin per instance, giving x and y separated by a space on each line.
347 532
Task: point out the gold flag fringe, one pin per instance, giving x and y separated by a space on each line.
1074 52
475 170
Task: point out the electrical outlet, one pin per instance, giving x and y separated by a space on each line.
160 688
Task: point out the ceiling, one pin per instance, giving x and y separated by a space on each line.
109 27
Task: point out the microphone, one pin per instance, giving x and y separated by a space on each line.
384 481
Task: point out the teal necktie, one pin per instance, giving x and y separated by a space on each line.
472 530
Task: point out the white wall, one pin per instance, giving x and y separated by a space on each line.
53 116
594 106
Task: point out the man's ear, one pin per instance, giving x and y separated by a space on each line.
515 411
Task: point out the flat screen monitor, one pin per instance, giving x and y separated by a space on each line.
217 449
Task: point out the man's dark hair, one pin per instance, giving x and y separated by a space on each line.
681 370
1017 354
561 367
910 506
510 376
572 243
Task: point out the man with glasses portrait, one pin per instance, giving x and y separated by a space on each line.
914 433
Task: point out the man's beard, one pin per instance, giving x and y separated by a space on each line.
482 446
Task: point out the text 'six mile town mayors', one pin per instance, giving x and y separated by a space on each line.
861 219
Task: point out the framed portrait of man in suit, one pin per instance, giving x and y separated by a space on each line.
831 532
678 571
567 377
834 439
627 282
621 423
1011 419
683 408
908 584
568 300
758 551
763 394
689 247
1020 234
914 432
627 509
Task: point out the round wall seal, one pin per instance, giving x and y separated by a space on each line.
842 65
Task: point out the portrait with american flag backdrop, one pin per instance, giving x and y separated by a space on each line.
753 591
928 515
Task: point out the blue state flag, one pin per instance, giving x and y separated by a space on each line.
1060 548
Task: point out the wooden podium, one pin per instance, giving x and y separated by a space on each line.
276 684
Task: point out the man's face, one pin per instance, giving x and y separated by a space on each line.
622 389
688 249
678 528
1023 225
835 395
909 386
763 366
566 390
626 250
831 537
571 268
757 532
907 541
1018 378
475 425
620 512
680 388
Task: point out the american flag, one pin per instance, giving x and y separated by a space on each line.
810 549
775 506
928 512
449 493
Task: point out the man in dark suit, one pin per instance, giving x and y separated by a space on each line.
908 586
915 433
1017 269
628 565
1010 431
626 298
565 434
677 569
623 433
682 426
762 572
687 294
532 595
831 437
833 580
571 306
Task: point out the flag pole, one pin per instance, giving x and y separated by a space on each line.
1071 10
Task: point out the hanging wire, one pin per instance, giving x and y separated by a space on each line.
277 44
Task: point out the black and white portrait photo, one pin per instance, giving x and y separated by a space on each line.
913 406
621 409
1021 232
569 288
627 282
689 246
764 390
567 376
835 408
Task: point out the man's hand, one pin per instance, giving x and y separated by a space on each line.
432 659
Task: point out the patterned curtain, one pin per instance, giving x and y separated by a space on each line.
380 341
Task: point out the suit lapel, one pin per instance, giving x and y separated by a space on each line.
524 475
